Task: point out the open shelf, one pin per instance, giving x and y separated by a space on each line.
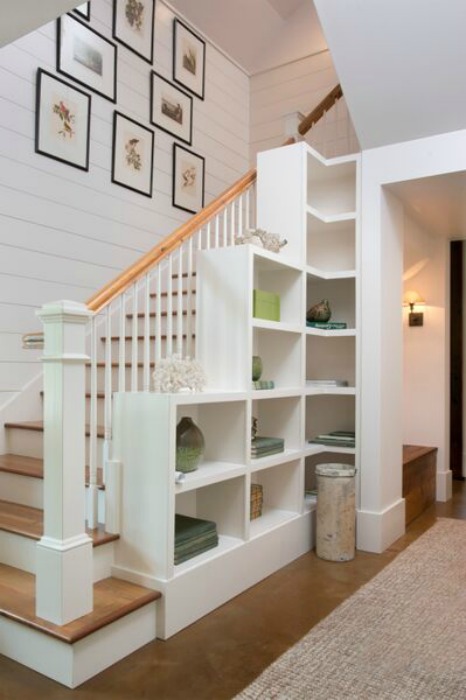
225 545
341 294
280 417
331 185
331 355
331 246
282 356
209 473
270 519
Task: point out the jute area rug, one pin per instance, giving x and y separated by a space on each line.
402 636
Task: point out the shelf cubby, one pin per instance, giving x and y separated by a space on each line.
331 187
279 417
282 356
327 413
341 294
330 357
331 246
282 496
271 275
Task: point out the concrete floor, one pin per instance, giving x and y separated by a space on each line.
222 653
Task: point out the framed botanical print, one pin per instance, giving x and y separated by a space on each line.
87 57
171 109
133 26
63 115
84 10
188 179
188 59
133 154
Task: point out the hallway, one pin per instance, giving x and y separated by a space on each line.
222 653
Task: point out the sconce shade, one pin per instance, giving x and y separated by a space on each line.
411 297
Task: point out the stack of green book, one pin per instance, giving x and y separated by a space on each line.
265 446
336 438
327 325
193 536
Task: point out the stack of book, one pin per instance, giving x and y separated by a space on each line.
263 384
337 438
328 325
257 499
266 446
326 382
193 536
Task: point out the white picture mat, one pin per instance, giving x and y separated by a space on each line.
49 139
188 180
140 180
140 40
164 93
185 41
74 36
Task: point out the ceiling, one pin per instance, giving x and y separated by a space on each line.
401 64
22 16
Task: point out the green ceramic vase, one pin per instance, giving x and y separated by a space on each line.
189 445
256 368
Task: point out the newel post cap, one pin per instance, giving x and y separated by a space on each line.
70 311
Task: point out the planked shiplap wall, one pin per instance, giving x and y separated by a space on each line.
65 232
299 86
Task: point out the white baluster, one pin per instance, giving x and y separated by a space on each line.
247 205
146 353
179 305
225 227
189 299
217 231
134 340
158 315
122 345
107 450
169 342
240 215
92 514
208 236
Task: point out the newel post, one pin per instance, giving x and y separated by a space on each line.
64 553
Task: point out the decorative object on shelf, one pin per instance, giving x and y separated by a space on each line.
188 59
253 428
175 374
189 445
326 382
86 56
256 501
262 239
171 109
266 446
84 10
256 368
193 536
320 312
188 179
411 299
63 116
133 155
133 26
266 305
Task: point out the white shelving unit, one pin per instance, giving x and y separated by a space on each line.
312 203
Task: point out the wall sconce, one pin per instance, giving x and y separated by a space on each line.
411 299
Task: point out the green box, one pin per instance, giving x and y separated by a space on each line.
266 305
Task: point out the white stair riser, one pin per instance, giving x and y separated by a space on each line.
25 490
29 443
20 552
28 491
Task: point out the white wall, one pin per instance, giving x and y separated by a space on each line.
65 232
425 348
299 86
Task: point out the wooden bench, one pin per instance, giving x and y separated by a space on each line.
419 479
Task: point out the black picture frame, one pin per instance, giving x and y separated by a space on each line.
86 56
171 109
62 121
133 26
189 59
84 10
188 179
132 154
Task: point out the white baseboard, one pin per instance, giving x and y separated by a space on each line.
377 531
444 485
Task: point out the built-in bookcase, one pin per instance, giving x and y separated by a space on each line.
313 204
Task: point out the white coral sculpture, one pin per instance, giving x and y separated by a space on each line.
262 239
176 374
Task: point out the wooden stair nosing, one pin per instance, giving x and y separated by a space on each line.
34 467
27 521
38 427
113 599
99 395
175 293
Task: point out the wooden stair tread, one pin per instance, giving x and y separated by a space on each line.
38 426
25 466
29 522
34 467
113 599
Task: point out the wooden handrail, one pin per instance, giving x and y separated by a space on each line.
319 111
124 280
